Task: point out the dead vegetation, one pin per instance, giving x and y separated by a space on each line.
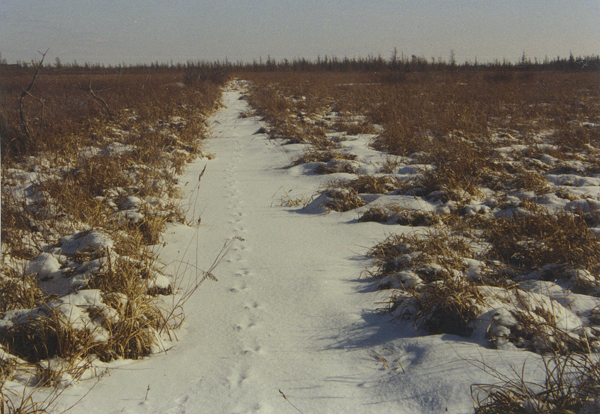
571 386
369 184
396 214
340 199
89 165
535 241
508 163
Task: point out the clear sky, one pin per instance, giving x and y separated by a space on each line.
143 31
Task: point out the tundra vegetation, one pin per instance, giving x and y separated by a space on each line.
503 162
505 158
90 159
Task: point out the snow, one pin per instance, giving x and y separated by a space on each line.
45 266
290 325
85 240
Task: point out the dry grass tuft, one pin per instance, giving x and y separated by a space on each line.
449 305
429 271
44 336
370 184
572 385
459 169
340 199
316 155
393 213
532 241
401 252
18 291
127 326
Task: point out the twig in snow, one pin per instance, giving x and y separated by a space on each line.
289 402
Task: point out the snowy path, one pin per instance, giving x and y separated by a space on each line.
264 325
287 312
271 321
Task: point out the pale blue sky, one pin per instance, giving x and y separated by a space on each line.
142 31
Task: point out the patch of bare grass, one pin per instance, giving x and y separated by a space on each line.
370 184
460 169
18 291
393 213
427 273
316 155
88 181
572 386
532 241
450 305
340 199
304 107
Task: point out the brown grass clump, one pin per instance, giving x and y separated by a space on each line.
532 241
429 271
135 333
340 199
127 326
370 184
392 213
401 252
44 336
572 386
537 331
460 168
152 225
18 291
449 306
571 137
315 155
530 180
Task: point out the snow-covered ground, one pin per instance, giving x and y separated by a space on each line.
290 326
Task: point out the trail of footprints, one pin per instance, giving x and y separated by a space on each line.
246 328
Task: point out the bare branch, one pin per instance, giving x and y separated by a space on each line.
99 99
26 92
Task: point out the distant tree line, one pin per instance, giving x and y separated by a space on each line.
396 62
401 62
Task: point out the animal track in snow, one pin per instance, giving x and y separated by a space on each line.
237 378
251 351
254 305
